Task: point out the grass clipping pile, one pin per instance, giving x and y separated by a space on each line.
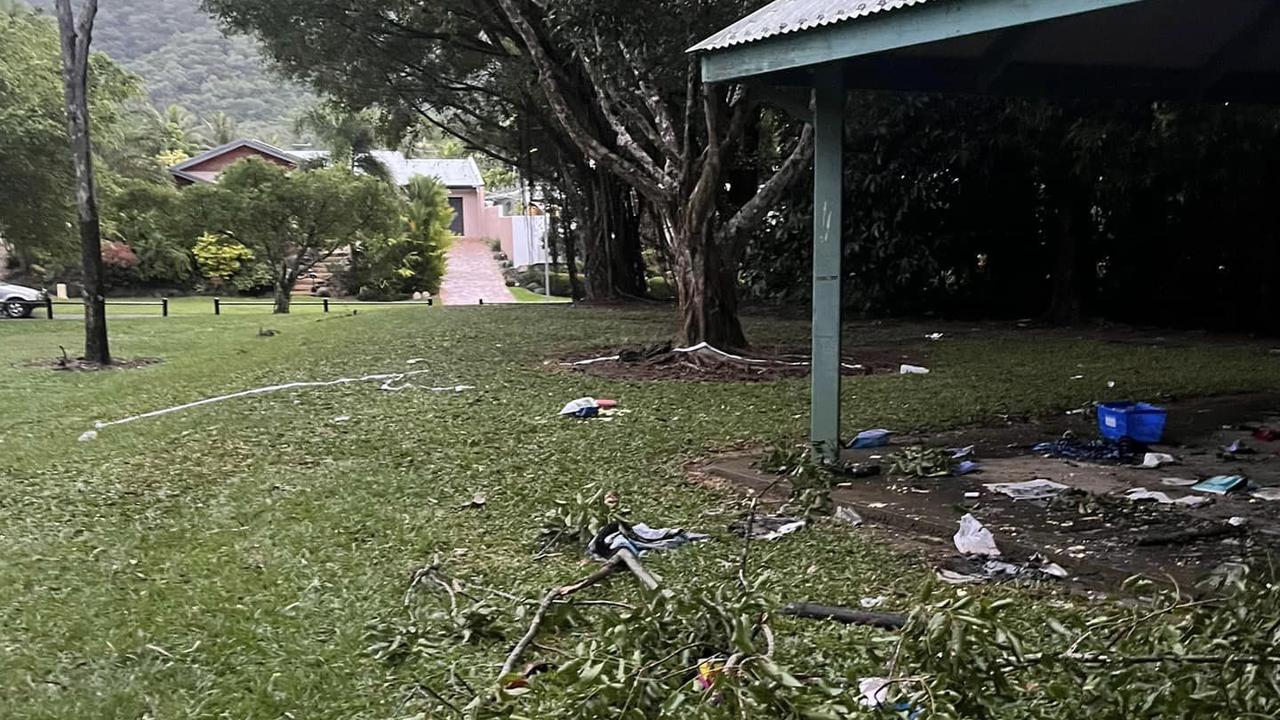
706 363
712 651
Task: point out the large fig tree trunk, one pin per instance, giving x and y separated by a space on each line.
611 241
708 294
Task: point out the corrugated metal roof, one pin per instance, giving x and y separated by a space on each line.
461 172
788 16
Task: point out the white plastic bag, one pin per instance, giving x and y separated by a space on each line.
974 539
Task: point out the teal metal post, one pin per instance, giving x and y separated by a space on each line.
828 181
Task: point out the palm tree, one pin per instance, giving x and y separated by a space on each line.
176 127
350 137
219 128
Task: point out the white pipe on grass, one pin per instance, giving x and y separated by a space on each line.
388 381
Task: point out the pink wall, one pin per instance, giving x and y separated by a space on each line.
473 219
498 226
485 221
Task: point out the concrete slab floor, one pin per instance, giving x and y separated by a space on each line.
1095 532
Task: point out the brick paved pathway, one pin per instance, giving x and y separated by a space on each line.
473 275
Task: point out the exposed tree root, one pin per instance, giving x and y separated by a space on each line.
703 362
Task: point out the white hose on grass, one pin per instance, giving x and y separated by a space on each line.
388 382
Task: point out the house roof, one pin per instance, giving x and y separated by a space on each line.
788 16
1128 49
207 155
456 173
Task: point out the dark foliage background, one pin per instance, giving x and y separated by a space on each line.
957 206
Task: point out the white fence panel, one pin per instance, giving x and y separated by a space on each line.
528 233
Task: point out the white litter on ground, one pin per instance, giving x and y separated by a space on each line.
89 436
1270 493
1178 482
1151 461
951 577
1039 489
913 370
388 381
974 539
593 361
579 405
875 692
1139 494
848 515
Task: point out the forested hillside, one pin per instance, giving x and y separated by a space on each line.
185 60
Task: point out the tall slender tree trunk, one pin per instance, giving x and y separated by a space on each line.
283 296
1066 304
570 247
611 240
76 35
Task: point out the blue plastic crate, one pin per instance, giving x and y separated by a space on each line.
1142 422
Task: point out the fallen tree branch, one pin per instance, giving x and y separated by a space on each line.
1182 536
633 564
746 537
621 558
1104 659
886 621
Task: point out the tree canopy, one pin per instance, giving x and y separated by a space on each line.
36 194
34 197
292 220
597 99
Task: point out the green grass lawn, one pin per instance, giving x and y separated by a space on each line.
524 296
226 562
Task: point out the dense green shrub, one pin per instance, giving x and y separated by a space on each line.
661 289
396 267
535 275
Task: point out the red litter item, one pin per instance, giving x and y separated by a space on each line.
606 404
1265 434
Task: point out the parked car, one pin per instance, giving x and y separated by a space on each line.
17 301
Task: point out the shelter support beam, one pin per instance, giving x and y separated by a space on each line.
828 181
